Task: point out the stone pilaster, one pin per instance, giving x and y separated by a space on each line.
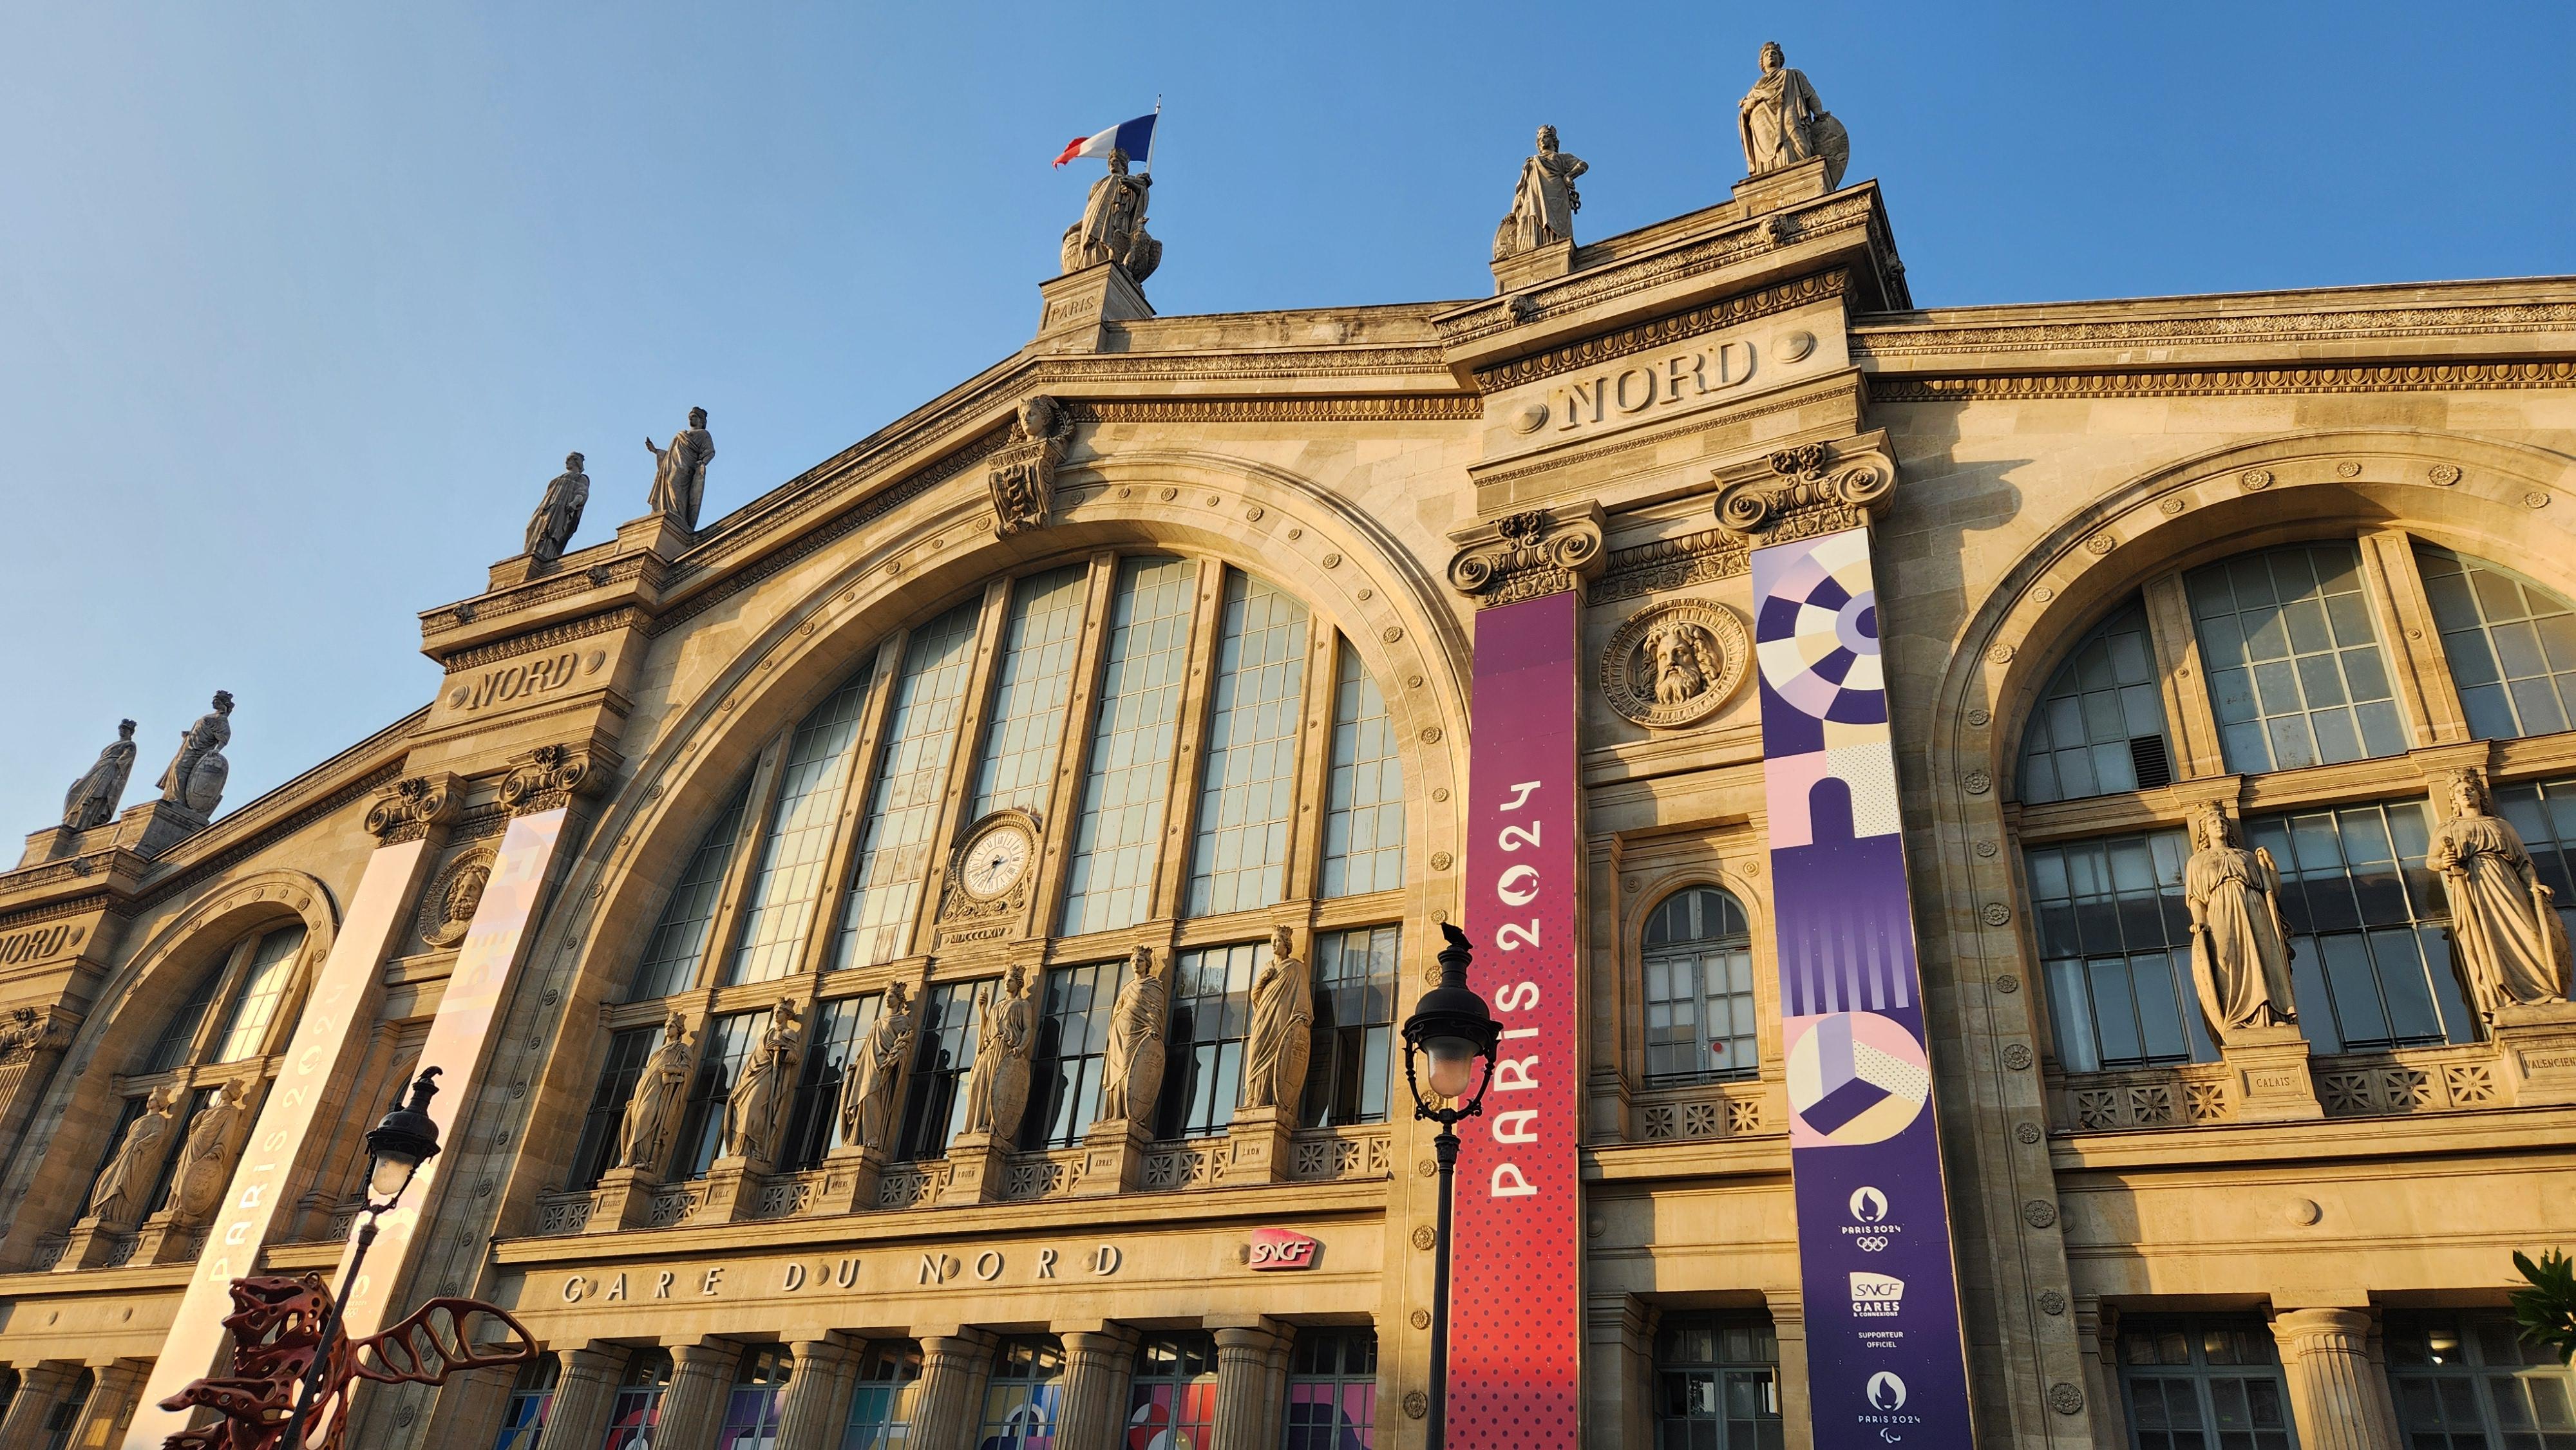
701 1375
1619 1367
578 1419
2340 1401
1789 1327
954 1367
1098 1365
469 1408
2270 1068
41 1387
112 1397
1244 1360
818 1395
2097 1338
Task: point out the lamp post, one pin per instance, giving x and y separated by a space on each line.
1452 1027
396 1147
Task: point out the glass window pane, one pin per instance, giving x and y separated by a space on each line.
910 790
679 940
787 881
2112 996
2077 743
1364 815
2297 616
263 986
2505 637
1247 782
1120 823
1032 686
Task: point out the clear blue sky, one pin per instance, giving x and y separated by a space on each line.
301 304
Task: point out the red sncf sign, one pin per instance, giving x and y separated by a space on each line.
1283 1248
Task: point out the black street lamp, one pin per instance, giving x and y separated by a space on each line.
396 1147
1453 1028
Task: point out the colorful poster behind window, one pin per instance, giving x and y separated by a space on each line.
1883 1344
1516 1282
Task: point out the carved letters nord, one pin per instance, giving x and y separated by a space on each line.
1665 382
36 945
510 682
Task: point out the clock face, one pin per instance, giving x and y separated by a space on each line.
996 859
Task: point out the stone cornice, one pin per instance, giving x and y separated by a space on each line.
2449 310
1406 408
2213 382
603 622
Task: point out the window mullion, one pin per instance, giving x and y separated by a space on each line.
964 758
875 714
2425 691
761 801
1314 759
2184 678
1073 757
1180 817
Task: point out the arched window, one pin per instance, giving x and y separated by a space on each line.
1065 754
2100 724
1699 990
2296 674
2511 644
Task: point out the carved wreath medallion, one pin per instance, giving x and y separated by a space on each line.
447 907
1674 664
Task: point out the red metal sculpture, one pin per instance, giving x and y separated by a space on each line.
276 1323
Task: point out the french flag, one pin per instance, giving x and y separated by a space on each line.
1136 138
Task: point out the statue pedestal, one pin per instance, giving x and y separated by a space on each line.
657 534
2538 1045
164 1240
624 1196
1785 187
93 1244
1257 1147
978 1165
155 826
1538 264
850 1180
1078 306
1113 1158
2269 1068
51 843
733 1189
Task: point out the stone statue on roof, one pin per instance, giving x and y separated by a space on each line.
1544 205
1781 123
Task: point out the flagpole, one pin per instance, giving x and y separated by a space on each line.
1154 135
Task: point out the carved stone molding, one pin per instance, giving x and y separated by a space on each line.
1728 312
548 777
1527 554
414 807
447 907
1672 564
1400 408
31 1030
1810 489
1022 473
1676 663
2481 319
2220 382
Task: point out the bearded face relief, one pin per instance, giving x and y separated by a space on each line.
1676 663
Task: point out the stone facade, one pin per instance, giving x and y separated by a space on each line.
1204 677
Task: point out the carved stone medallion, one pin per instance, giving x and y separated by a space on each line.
1674 664
447 907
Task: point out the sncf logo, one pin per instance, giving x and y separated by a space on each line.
1280 1248
1876 1295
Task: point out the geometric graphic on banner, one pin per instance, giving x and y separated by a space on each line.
1885 1360
1854 1077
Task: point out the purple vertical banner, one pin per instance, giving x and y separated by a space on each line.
1516 1282
1884 1358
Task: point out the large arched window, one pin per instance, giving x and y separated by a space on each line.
1698 964
2298 672
1069 753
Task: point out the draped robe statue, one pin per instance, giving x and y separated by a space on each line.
1544 204
93 798
868 1083
559 512
2508 942
1781 123
195 778
680 472
2240 943
117 1198
1131 1072
757 1108
1283 1019
206 1161
997 1086
1112 228
644 1137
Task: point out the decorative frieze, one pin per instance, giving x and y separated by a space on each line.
2218 382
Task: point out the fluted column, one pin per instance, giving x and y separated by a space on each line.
40 1388
111 1401
1098 1365
1244 1360
584 1395
818 1395
950 1400
701 1374
2339 1397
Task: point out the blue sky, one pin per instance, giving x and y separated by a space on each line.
301 304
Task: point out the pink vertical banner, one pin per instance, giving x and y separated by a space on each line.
1515 1322
459 1042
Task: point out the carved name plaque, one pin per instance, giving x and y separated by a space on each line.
1648 385
504 683
36 945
